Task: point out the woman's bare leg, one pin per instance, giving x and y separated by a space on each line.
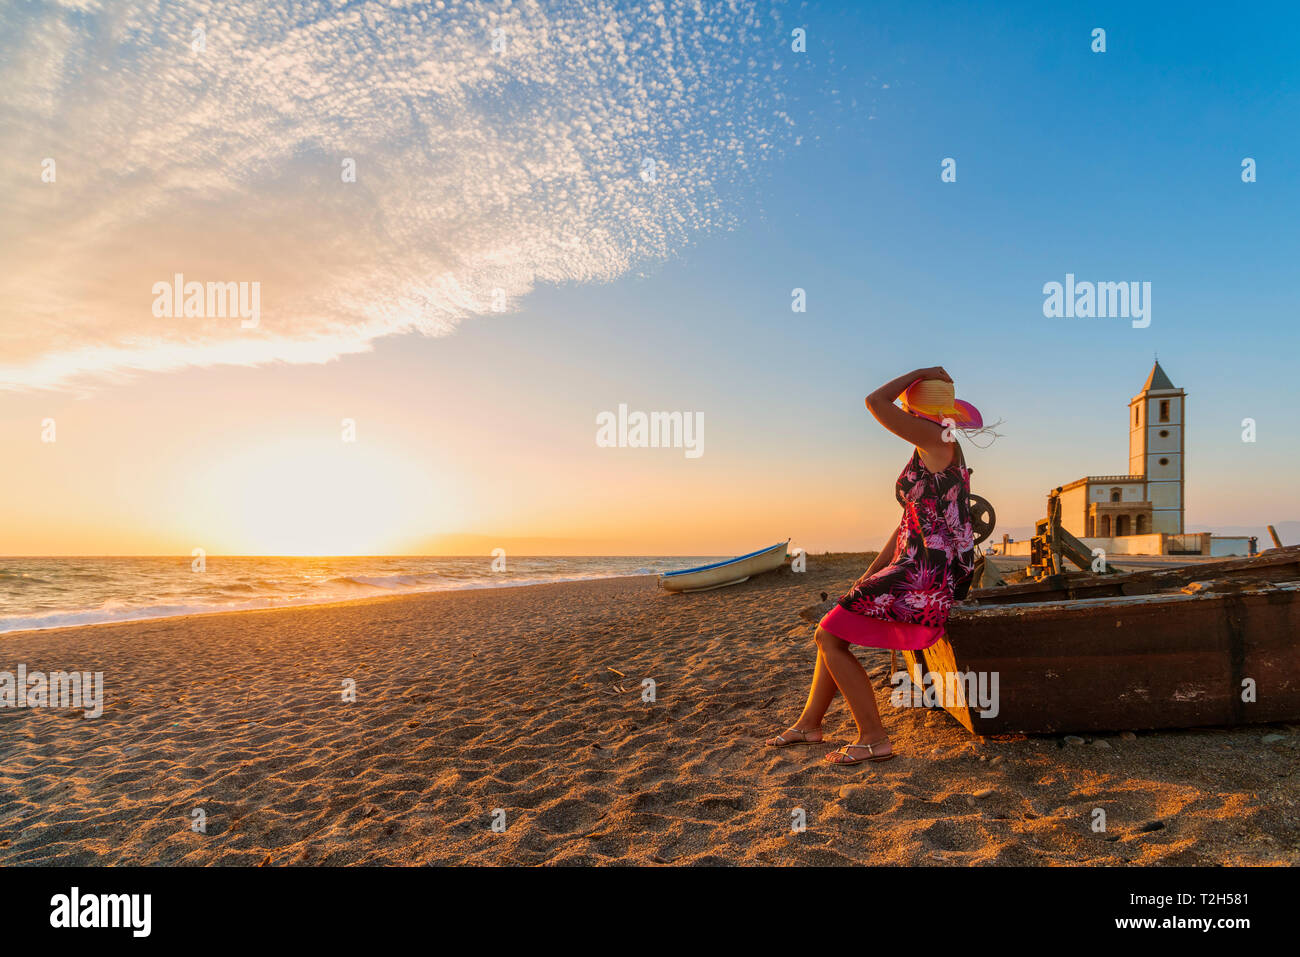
820 695
852 680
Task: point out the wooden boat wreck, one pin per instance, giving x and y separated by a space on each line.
1204 644
1275 565
733 571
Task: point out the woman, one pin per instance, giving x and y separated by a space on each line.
903 599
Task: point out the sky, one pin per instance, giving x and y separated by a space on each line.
562 208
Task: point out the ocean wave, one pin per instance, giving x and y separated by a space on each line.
22 578
344 588
389 581
113 612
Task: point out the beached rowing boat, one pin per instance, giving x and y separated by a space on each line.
1210 644
731 572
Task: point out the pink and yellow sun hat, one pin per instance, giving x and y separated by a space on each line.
936 400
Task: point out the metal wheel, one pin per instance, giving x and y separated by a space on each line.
982 517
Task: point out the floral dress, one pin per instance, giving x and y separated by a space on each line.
906 603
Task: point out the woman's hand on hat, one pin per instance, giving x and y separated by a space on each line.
934 372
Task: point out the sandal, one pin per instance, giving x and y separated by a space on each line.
851 760
781 741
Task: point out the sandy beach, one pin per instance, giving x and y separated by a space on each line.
505 705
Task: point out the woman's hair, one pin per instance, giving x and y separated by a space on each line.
989 430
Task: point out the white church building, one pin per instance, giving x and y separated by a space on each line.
1149 498
1141 511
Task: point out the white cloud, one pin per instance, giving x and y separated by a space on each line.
476 170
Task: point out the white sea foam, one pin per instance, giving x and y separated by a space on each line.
91 591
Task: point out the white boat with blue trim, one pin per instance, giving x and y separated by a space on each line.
733 571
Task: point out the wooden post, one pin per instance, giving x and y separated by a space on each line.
1277 542
1054 532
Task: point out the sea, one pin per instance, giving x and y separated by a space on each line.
58 592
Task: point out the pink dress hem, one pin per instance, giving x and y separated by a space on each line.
877 633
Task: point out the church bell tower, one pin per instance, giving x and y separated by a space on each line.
1156 418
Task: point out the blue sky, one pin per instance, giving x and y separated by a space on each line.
1116 166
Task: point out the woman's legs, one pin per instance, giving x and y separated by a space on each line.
820 695
852 681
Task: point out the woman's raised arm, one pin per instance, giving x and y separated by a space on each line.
925 435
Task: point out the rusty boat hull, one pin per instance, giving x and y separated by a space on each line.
1210 644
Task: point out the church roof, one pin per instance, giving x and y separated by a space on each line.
1103 480
1158 380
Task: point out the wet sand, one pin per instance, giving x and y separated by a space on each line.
504 705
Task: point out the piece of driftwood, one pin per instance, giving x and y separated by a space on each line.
815 613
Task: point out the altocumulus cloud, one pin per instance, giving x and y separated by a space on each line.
477 169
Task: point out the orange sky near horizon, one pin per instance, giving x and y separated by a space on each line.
253 462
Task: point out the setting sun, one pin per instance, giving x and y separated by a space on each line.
318 496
